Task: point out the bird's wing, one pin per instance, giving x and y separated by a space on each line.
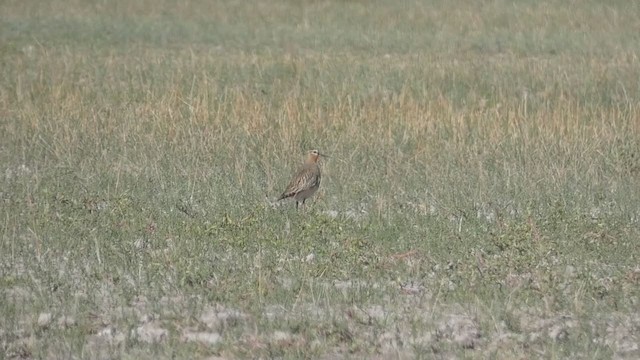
306 178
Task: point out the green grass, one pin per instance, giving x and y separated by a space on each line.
480 201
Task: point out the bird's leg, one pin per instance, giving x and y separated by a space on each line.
296 204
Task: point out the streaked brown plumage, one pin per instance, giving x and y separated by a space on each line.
306 181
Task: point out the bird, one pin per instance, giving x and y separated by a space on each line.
306 181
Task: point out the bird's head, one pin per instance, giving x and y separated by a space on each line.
313 156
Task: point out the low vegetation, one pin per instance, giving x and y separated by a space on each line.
481 199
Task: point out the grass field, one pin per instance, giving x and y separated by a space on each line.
482 198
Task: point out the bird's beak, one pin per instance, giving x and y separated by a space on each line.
323 155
